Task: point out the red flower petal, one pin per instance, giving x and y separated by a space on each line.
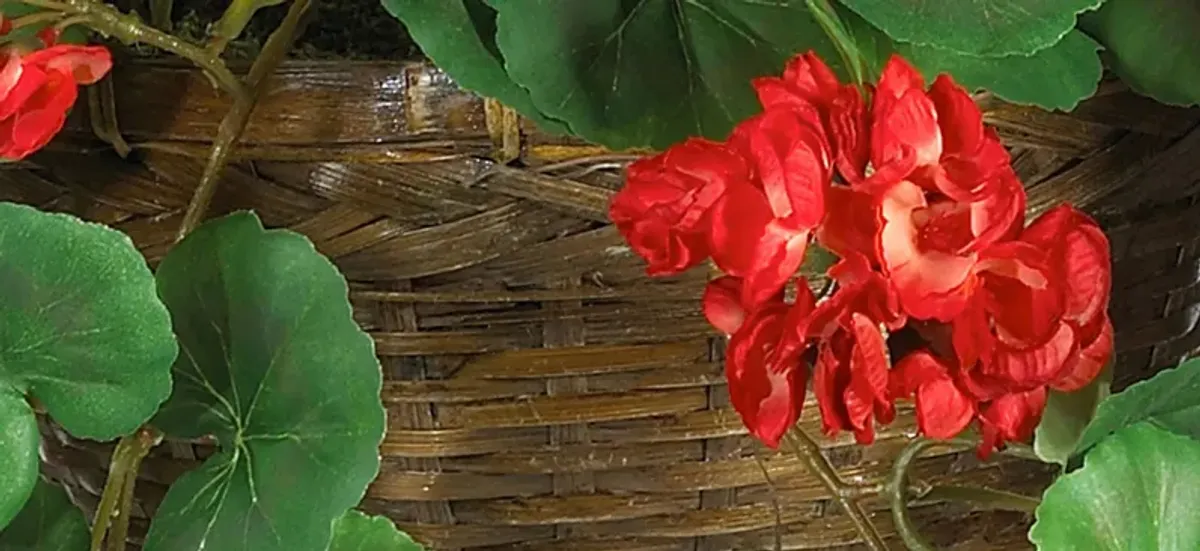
851 223
722 305
807 81
1011 418
1092 359
943 411
768 400
85 64
739 222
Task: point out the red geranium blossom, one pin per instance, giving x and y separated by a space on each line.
38 88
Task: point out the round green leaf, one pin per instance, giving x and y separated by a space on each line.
460 36
49 522
633 73
975 27
1138 489
1170 399
275 368
1058 77
1151 45
18 454
1066 416
356 531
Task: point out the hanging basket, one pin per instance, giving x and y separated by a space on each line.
544 394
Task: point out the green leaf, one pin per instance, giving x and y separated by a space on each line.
1151 45
633 73
356 531
18 454
460 36
275 368
49 522
1058 77
1066 416
992 28
81 329
1170 399
1138 489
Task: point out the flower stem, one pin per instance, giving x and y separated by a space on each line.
993 499
116 502
846 495
897 489
129 28
235 120
847 48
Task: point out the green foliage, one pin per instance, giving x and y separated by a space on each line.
1066 416
275 367
1138 489
1170 400
1152 45
49 522
992 28
1058 77
356 531
81 329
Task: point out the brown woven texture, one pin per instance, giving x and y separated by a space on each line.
542 392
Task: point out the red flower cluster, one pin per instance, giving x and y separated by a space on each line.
38 88
920 203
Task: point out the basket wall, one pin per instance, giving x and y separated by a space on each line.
542 393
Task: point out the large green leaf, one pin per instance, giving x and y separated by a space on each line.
1170 399
18 454
49 522
1152 44
81 329
275 368
1066 416
975 27
358 532
1057 77
632 73
460 36
1138 489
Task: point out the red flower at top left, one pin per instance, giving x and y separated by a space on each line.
38 88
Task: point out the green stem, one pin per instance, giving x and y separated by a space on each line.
160 13
829 21
128 28
144 440
234 21
235 120
102 111
35 19
897 489
992 499
846 495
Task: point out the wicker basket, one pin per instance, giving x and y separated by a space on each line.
543 394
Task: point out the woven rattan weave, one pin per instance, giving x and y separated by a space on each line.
542 392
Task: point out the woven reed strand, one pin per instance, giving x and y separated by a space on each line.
542 393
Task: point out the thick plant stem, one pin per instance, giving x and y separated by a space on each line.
823 12
234 21
846 495
128 28
235 120
116 502
897 489
992 499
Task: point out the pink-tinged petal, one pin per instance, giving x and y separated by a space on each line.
722 304
909 121
10 74
768 401
898 78
851 130
999 216
931 284
959 117
1011 418
777 256
85 64
29 81
739 222
792 162
807 81
1089 273
1092 359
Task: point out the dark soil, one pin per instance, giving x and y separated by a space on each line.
339 29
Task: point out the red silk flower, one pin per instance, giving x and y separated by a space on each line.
664 210
918 200
766 378
38 88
